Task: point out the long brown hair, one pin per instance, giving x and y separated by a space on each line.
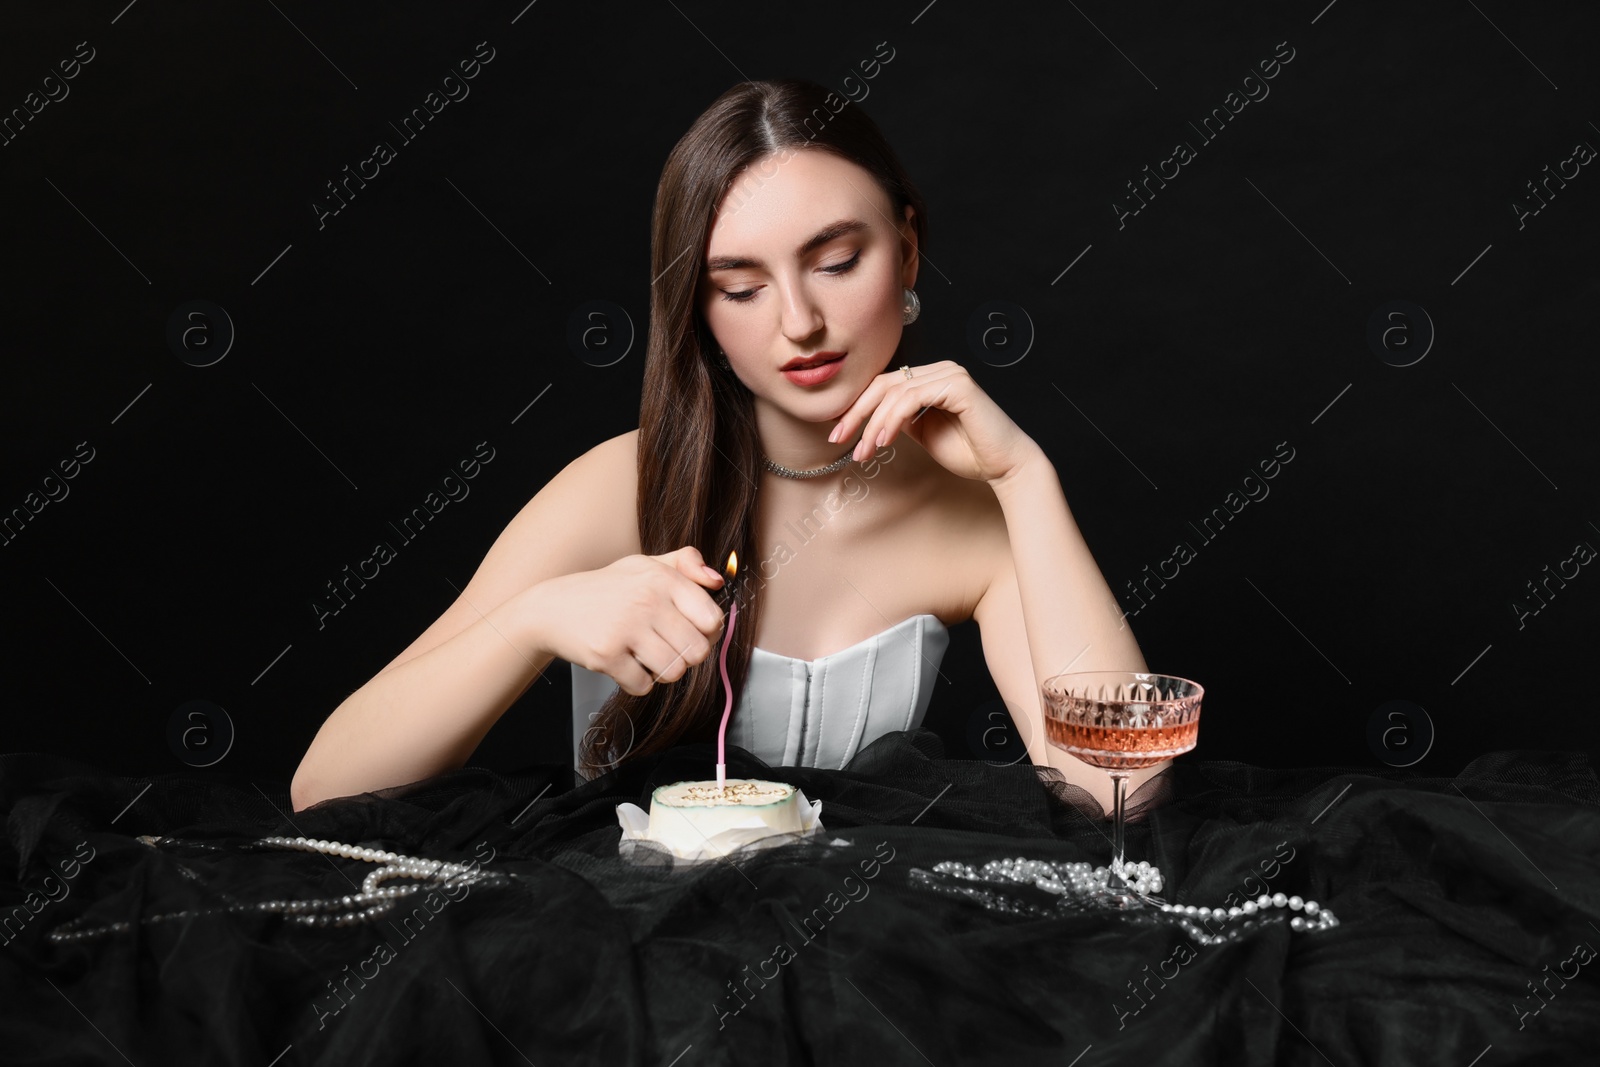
699 453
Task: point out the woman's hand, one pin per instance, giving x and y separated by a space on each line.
942 409
641 620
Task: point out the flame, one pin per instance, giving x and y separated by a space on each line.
731 568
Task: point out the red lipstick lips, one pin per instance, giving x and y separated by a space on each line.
800 362
813 369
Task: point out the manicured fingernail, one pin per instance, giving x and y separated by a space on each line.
833 435
883 435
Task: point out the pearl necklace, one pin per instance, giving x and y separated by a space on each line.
1079 885
374 900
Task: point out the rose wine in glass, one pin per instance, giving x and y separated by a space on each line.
1121 721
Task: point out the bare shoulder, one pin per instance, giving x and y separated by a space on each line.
621 462
971 545
599 490
584 518
615 456
621 450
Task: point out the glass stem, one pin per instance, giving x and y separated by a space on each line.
1119 802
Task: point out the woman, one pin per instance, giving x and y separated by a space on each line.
179 918
786 235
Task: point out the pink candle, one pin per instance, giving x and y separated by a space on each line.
727 709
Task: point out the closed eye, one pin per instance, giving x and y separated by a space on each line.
846 267
839 268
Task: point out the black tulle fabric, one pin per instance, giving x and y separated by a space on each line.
1465 906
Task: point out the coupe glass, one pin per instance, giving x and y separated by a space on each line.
1121 721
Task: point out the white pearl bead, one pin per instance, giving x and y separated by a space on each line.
1312 907
1279 900
1250 907
1263 901
1295 903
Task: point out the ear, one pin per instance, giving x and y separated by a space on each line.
908 250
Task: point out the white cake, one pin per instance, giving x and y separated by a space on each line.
684 815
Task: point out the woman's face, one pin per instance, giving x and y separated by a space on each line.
806 258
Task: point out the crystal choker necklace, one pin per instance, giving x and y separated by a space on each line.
785 472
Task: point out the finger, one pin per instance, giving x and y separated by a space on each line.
657 657
889 417
900 404
858 411
697 607
872 421
702 573
693 646
630 675
688 562
866 408
717 573
686 653
909 421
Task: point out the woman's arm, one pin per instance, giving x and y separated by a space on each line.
429 709
1048 610
427 714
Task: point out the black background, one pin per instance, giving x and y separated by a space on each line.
373 351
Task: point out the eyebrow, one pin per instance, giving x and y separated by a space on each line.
832 230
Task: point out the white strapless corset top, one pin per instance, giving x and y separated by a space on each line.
820 712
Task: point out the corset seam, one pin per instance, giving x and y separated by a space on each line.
822 711
863 705
916 673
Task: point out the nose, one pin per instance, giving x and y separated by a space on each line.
801 316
